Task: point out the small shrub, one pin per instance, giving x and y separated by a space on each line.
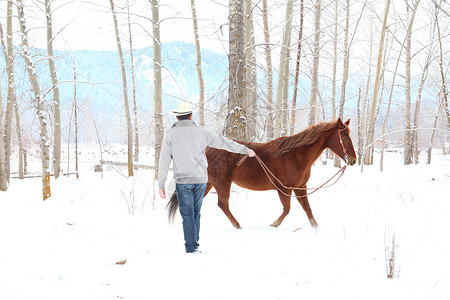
392 267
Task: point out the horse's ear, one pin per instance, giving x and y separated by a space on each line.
340 124
348 122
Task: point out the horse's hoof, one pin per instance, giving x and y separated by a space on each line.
237 226
275 224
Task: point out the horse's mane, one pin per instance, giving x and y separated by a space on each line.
310 135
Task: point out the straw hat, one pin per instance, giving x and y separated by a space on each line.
183 108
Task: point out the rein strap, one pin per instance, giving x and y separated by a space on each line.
269 174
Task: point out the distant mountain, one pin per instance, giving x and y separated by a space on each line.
99 77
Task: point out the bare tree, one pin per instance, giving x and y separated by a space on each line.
198 65
297 68
315 70
407 154
337 161
415 133
11 98
3 179
250 65
435 123
39 102
363 119
75 114
439 6
270 132
444 150
22 150
383 144
133 88
55 90
8 53
371 125
236 121
157 90
125 92
441 69
346 62
347 46
335 59
283 77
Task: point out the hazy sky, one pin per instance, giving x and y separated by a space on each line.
89 25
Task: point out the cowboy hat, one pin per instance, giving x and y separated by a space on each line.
183 108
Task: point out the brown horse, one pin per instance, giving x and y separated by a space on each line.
289 158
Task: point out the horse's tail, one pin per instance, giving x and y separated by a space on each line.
172 207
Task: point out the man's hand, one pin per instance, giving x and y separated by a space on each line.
162 193
251 153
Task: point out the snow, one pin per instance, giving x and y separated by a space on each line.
67 246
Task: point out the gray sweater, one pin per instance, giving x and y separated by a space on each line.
185 143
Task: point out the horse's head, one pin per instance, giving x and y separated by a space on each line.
341 143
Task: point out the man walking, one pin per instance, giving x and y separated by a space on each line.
185 143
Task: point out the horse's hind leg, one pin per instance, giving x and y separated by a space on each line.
303 199
209 186
286 201
223 193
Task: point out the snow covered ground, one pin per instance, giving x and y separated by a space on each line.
67 247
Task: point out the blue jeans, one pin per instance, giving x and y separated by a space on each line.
190 199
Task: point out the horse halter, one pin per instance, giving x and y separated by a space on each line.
342 144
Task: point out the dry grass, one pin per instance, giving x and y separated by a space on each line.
392 266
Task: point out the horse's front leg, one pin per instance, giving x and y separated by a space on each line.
303 199
223 193
286 201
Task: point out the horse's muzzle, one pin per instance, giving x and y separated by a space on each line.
351 161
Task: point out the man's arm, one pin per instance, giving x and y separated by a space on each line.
164 162
221 142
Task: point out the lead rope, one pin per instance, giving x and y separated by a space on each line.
342 143
269 174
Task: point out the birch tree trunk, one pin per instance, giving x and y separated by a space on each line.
383 69
75 112
3 179
346 60
337 161
39 103
442 72
444 150
236 119
125 92
363 119
270 131
281 97
383 143
250 64
133 81
285 108
315 67
371 125
433 132
19 139
8 54
297 68
55 90
198 65
407 154
359 125
415 133
11 98
335 58
157 90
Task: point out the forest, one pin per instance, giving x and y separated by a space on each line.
382 64
86 90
